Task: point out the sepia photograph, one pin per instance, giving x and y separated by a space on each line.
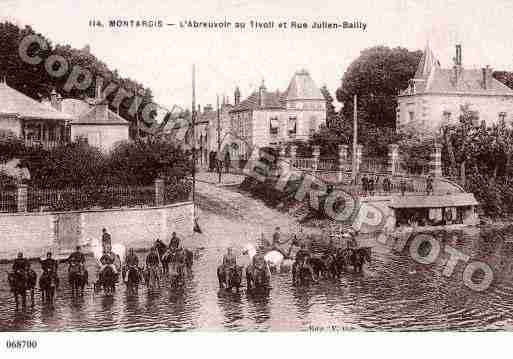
236 166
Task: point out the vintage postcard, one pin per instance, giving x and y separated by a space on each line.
285 166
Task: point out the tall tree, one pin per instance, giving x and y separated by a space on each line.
331 114
377 76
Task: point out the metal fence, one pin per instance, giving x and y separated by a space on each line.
8 201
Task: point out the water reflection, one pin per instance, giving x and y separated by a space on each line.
393 293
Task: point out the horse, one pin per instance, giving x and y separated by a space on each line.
178 261
300 272
274 259
257 278
107 280
48 284
358 257
133 277
235 278
152 277
20 282
164 255
78 277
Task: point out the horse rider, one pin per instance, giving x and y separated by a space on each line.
174 243
107 260
77 258
275 245
152 259
302 257
260 264
20 264
131 260
229 263
106 239
50 266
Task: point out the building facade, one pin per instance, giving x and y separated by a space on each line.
273 119
34 122
435 95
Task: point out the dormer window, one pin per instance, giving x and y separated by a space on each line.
274 126
292 126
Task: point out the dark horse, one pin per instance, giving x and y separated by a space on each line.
133 277
301 273
20 282
235 278
354 257
48 284
359 257
166 256
257 278
107 280
78 277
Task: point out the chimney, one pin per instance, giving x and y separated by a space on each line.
489 76
236 95
483 78
199 109
458 55
55 100
261 93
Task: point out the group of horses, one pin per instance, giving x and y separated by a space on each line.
23 283
330 264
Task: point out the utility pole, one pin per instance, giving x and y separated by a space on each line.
355 137
193 132
218 140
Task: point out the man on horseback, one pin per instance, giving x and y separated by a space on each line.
276 244
106 239
76 258
20 264
107 260
49 265
174 242
131 260
229 264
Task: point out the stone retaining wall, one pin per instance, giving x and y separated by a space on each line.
36 233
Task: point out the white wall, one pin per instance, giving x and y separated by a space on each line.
429 109
101 136
10 124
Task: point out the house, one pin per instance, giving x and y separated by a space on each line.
435 95
34 122
276 118
94 123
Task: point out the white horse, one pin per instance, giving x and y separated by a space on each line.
117 248
274 259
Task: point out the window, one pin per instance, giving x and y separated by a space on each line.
292 126
312 125
273 126
412 116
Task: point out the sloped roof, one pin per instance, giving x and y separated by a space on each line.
426 64
14 102
449 200
270 100
302 87
469 81
100 115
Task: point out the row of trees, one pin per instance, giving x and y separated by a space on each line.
35 81
80 165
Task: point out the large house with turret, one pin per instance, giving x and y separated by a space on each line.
435 95
274 118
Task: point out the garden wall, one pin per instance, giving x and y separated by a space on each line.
36 233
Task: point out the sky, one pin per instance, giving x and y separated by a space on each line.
162 58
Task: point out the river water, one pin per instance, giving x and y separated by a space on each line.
393 293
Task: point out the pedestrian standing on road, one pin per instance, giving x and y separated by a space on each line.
402 185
